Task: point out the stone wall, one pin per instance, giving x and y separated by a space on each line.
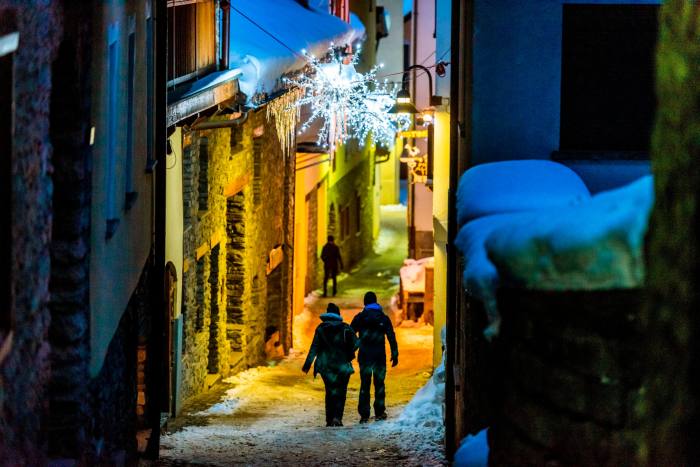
248 204
70 298
24 372
113 393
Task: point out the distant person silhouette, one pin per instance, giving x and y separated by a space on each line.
373 325
332 263
333 348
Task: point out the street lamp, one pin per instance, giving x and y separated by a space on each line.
403 104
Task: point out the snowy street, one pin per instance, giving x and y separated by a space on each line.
274 415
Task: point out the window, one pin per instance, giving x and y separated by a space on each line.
200 294
344 222
112 129
257 170
8 46
358 213
192 46
129 193
203 174
607 87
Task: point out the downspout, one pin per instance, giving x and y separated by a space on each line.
210 125
225 34
156 370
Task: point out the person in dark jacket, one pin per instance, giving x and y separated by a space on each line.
373 325
332 263
333 348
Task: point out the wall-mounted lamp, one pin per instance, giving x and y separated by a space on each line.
403 103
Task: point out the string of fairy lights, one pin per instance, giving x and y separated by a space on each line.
348 104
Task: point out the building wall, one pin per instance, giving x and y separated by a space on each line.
352 180
390 53
116 262
248 213
517 76
24 372
441 183
311 180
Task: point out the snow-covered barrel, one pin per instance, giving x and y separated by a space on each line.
570 348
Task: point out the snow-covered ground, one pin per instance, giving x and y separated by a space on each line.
274 415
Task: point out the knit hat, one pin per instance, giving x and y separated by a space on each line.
333 308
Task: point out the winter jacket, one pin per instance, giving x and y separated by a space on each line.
333 347
372 325
330 255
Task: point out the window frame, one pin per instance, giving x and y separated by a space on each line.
172 49
9 42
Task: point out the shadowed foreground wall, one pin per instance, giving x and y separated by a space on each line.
673 249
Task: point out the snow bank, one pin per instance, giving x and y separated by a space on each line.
232 398
510 186
473 451
594 245
425 409
263 59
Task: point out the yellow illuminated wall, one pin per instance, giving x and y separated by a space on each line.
312 170
441 181
389 177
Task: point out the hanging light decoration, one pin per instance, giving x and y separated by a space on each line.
349 104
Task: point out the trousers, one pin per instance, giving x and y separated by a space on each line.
330 274
336 392
367 372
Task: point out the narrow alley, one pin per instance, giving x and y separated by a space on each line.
273 415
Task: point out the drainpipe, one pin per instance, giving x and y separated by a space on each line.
157 373
225 34
209 124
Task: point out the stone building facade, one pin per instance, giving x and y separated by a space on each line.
25 363
237 268
68 369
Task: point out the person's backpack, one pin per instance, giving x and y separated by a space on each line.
350 342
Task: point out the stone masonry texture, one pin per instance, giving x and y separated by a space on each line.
226 311
24 373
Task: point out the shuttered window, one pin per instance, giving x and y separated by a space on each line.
192 39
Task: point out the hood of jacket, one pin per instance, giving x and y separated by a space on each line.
330 317
373 311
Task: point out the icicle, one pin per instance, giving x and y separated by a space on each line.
286 115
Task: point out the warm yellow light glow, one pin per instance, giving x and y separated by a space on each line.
403 100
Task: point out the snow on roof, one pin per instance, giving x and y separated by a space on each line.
263 58
594 245
511 186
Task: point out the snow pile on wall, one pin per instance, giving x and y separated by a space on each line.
473 451
480 276
594 245
512 186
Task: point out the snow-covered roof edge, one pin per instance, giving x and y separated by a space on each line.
268 38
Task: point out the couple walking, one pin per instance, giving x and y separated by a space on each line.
334 347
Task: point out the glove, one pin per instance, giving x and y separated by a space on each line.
394 361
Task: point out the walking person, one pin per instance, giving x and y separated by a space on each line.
333 348
373 326
332 263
